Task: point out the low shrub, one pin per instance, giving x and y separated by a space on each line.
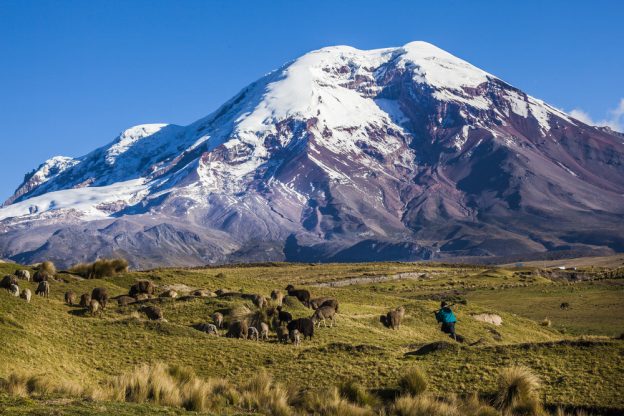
518 391
413 382
100 268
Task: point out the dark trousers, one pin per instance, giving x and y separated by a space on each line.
449 328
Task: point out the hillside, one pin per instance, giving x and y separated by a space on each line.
48 337
342 155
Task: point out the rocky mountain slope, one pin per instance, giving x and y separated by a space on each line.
341 155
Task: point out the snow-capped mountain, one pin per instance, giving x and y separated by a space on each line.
341 155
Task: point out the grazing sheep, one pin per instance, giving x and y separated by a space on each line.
331 302
85 299
14 290
142 286
43 289
393 318
152 312
259 301
283 316
23 274
278 297
124 300
70 298
26 295
7 281
217 318
264 330
41 276
169 294
323 313
295 337
253 334
94 307
282 334
317 302
210 329
302 294
101 295
304 325
238 329
564 305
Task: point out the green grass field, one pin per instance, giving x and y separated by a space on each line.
577 359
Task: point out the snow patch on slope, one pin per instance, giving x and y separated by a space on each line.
90 201
128 138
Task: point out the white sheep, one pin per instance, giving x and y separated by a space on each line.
295 337
253 333
14 290
264 331
26 295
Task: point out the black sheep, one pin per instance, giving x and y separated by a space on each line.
283 316
302 294
304 325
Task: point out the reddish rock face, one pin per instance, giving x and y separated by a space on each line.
343 155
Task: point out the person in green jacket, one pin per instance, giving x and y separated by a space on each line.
446 316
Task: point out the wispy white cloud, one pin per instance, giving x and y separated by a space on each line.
614 119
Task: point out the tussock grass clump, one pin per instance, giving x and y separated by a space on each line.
423 405
261 394
47 267
356 393
100 268
518 391
413 382
23 385
331 403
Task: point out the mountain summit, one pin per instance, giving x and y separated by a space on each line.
341 155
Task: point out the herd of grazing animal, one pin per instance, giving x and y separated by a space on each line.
286 327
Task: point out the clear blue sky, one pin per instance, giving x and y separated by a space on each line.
73 74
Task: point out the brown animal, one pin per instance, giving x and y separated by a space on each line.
238 329
324 301
101 295
217 318
70 298
317 302
41 276
394 318
94 307
305 326
564 306
142 286
85 299
152 312
43 289
23 274
323 313
277 296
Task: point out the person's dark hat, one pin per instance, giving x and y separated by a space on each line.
443 304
